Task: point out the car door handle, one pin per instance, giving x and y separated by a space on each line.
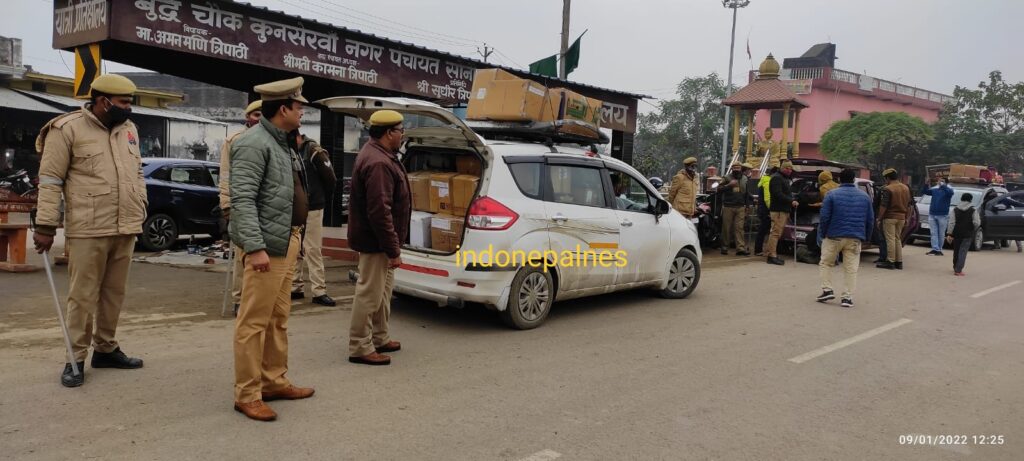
559 218
177 191
627 223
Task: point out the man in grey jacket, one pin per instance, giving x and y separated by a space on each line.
268 209
964 221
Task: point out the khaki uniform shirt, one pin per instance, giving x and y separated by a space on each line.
683 193
225 172
99 173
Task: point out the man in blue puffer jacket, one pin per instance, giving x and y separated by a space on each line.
847 219
938 214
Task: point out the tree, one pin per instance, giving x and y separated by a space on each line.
878 140
690 125
984 126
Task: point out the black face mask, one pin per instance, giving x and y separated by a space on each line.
737 174
117 114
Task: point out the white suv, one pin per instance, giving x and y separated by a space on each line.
546 203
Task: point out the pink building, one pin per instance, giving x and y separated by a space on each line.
835 94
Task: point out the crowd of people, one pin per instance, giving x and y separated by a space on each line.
848 217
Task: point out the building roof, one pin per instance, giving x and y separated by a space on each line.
14 100
69 104
764 94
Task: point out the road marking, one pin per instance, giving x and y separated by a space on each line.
546 455
846 342
995 289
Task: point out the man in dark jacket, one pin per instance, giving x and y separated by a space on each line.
764 218
322 180
964 222
782 202
380 208
735 199
847 218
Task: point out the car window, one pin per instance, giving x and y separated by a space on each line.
214 173
576 185
630 194
1011 202
527 178
191 175
163 174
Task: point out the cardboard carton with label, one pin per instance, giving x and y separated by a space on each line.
446 232
419 185
463 189
441 192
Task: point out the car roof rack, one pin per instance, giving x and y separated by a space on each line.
548 133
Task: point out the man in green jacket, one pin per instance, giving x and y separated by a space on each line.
269 206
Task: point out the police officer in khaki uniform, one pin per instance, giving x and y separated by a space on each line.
92 158
252 116
683 193
269 206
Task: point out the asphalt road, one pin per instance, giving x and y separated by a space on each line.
749 367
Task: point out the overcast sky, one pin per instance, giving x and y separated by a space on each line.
648 46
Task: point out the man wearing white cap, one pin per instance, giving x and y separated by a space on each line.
91 157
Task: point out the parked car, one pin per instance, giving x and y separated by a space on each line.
1003 219
539 197
183 200
982 196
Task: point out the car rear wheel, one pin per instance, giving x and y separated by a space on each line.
532 294
979 240
683 276
159 232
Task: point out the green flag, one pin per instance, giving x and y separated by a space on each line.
547 66
572 56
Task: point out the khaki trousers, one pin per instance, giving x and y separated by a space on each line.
779 219
733 218
371 306
98 272
893 229
312 248
236 274
830 249
261 329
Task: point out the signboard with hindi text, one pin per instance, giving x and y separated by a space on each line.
242 33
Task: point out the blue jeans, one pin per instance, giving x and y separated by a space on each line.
937 225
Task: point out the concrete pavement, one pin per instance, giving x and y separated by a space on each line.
623 376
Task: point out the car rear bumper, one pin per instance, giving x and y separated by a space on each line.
447 284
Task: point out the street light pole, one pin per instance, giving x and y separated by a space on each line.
735 5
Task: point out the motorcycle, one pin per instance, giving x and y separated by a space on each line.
709 229
18 187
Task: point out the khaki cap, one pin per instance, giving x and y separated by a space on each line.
254 106
786 164
114 85
282 90
690 161
888 171
747 166
736 164
385 118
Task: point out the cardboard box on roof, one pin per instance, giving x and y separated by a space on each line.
500 96
463 189
446 232
575 106
419 185
440 192
957 170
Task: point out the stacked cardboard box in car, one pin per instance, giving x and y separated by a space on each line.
439 199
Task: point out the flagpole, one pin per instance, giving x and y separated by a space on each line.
565 38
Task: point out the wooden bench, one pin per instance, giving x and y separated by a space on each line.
13 242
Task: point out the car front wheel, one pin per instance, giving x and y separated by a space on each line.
683 276
159 232
532 294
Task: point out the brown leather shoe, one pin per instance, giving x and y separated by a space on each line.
289 393
256 410
391 346
372 358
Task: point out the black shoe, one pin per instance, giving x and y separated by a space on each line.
742 253
933 253
847 302
899 265
298 295
758 253
115 359
235 310
939 253
885 265
724 251
776 261
826 295
68 378
881 260
324 300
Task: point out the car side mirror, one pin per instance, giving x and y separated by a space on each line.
661 207
1000 207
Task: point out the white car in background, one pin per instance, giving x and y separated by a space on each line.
516 209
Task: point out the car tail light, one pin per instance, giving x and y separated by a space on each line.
488 214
